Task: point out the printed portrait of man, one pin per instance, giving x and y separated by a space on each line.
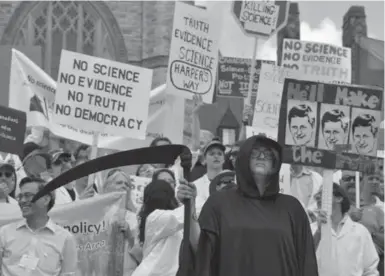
301 123
364 134
334 128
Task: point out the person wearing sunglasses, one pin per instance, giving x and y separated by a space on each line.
253 229
7 183
61 162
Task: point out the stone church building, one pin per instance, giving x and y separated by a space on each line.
139 33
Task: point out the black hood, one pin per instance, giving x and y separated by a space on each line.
245 181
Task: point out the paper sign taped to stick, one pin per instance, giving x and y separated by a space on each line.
234 74
102 95
329 125
193 61
267 104
259 16
318 61
12 130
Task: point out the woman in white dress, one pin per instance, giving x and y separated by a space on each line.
161 229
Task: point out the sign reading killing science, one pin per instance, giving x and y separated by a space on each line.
193 53
330 125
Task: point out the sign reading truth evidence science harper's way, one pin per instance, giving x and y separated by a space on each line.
102 95
318 119
193 53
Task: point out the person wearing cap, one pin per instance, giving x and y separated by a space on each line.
61 162
7 183
214 157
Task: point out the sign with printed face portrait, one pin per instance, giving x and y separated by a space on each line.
334 126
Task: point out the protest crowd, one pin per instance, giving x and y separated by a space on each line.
287 201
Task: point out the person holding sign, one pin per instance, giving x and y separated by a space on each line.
353 249
254 229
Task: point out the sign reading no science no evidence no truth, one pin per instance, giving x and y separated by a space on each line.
102 95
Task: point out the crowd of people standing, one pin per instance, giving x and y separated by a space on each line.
240 223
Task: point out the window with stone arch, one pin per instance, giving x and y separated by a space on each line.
70 25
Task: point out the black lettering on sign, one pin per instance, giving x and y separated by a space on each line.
291 66
80 65
306 155
63 109
75 96
290 56
356 97
292 44
67 78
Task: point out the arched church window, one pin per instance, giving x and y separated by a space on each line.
70 25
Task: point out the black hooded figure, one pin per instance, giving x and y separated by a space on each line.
253 229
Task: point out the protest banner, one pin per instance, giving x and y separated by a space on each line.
163 108
234 74
92 221
317 61
330 125
12 130
267 104
193 57
31 90
101 95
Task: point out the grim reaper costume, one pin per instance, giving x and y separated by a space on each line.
245 233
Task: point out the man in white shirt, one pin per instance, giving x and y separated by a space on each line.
353 249
36 245
214 157
304 184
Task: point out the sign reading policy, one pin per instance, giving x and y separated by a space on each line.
102 95
193 53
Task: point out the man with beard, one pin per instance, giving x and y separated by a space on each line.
37 245
253 229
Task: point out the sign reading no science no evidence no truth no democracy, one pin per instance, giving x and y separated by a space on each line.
193 53
102 95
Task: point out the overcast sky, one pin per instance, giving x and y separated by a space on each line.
320 21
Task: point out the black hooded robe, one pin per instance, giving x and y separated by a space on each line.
244 233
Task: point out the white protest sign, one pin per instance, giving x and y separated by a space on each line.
101 95
31 90
267 104
162 109
259 16
193 59
317 61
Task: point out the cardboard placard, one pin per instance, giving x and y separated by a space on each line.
193 59
317 61
102 95
329 125
234 75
